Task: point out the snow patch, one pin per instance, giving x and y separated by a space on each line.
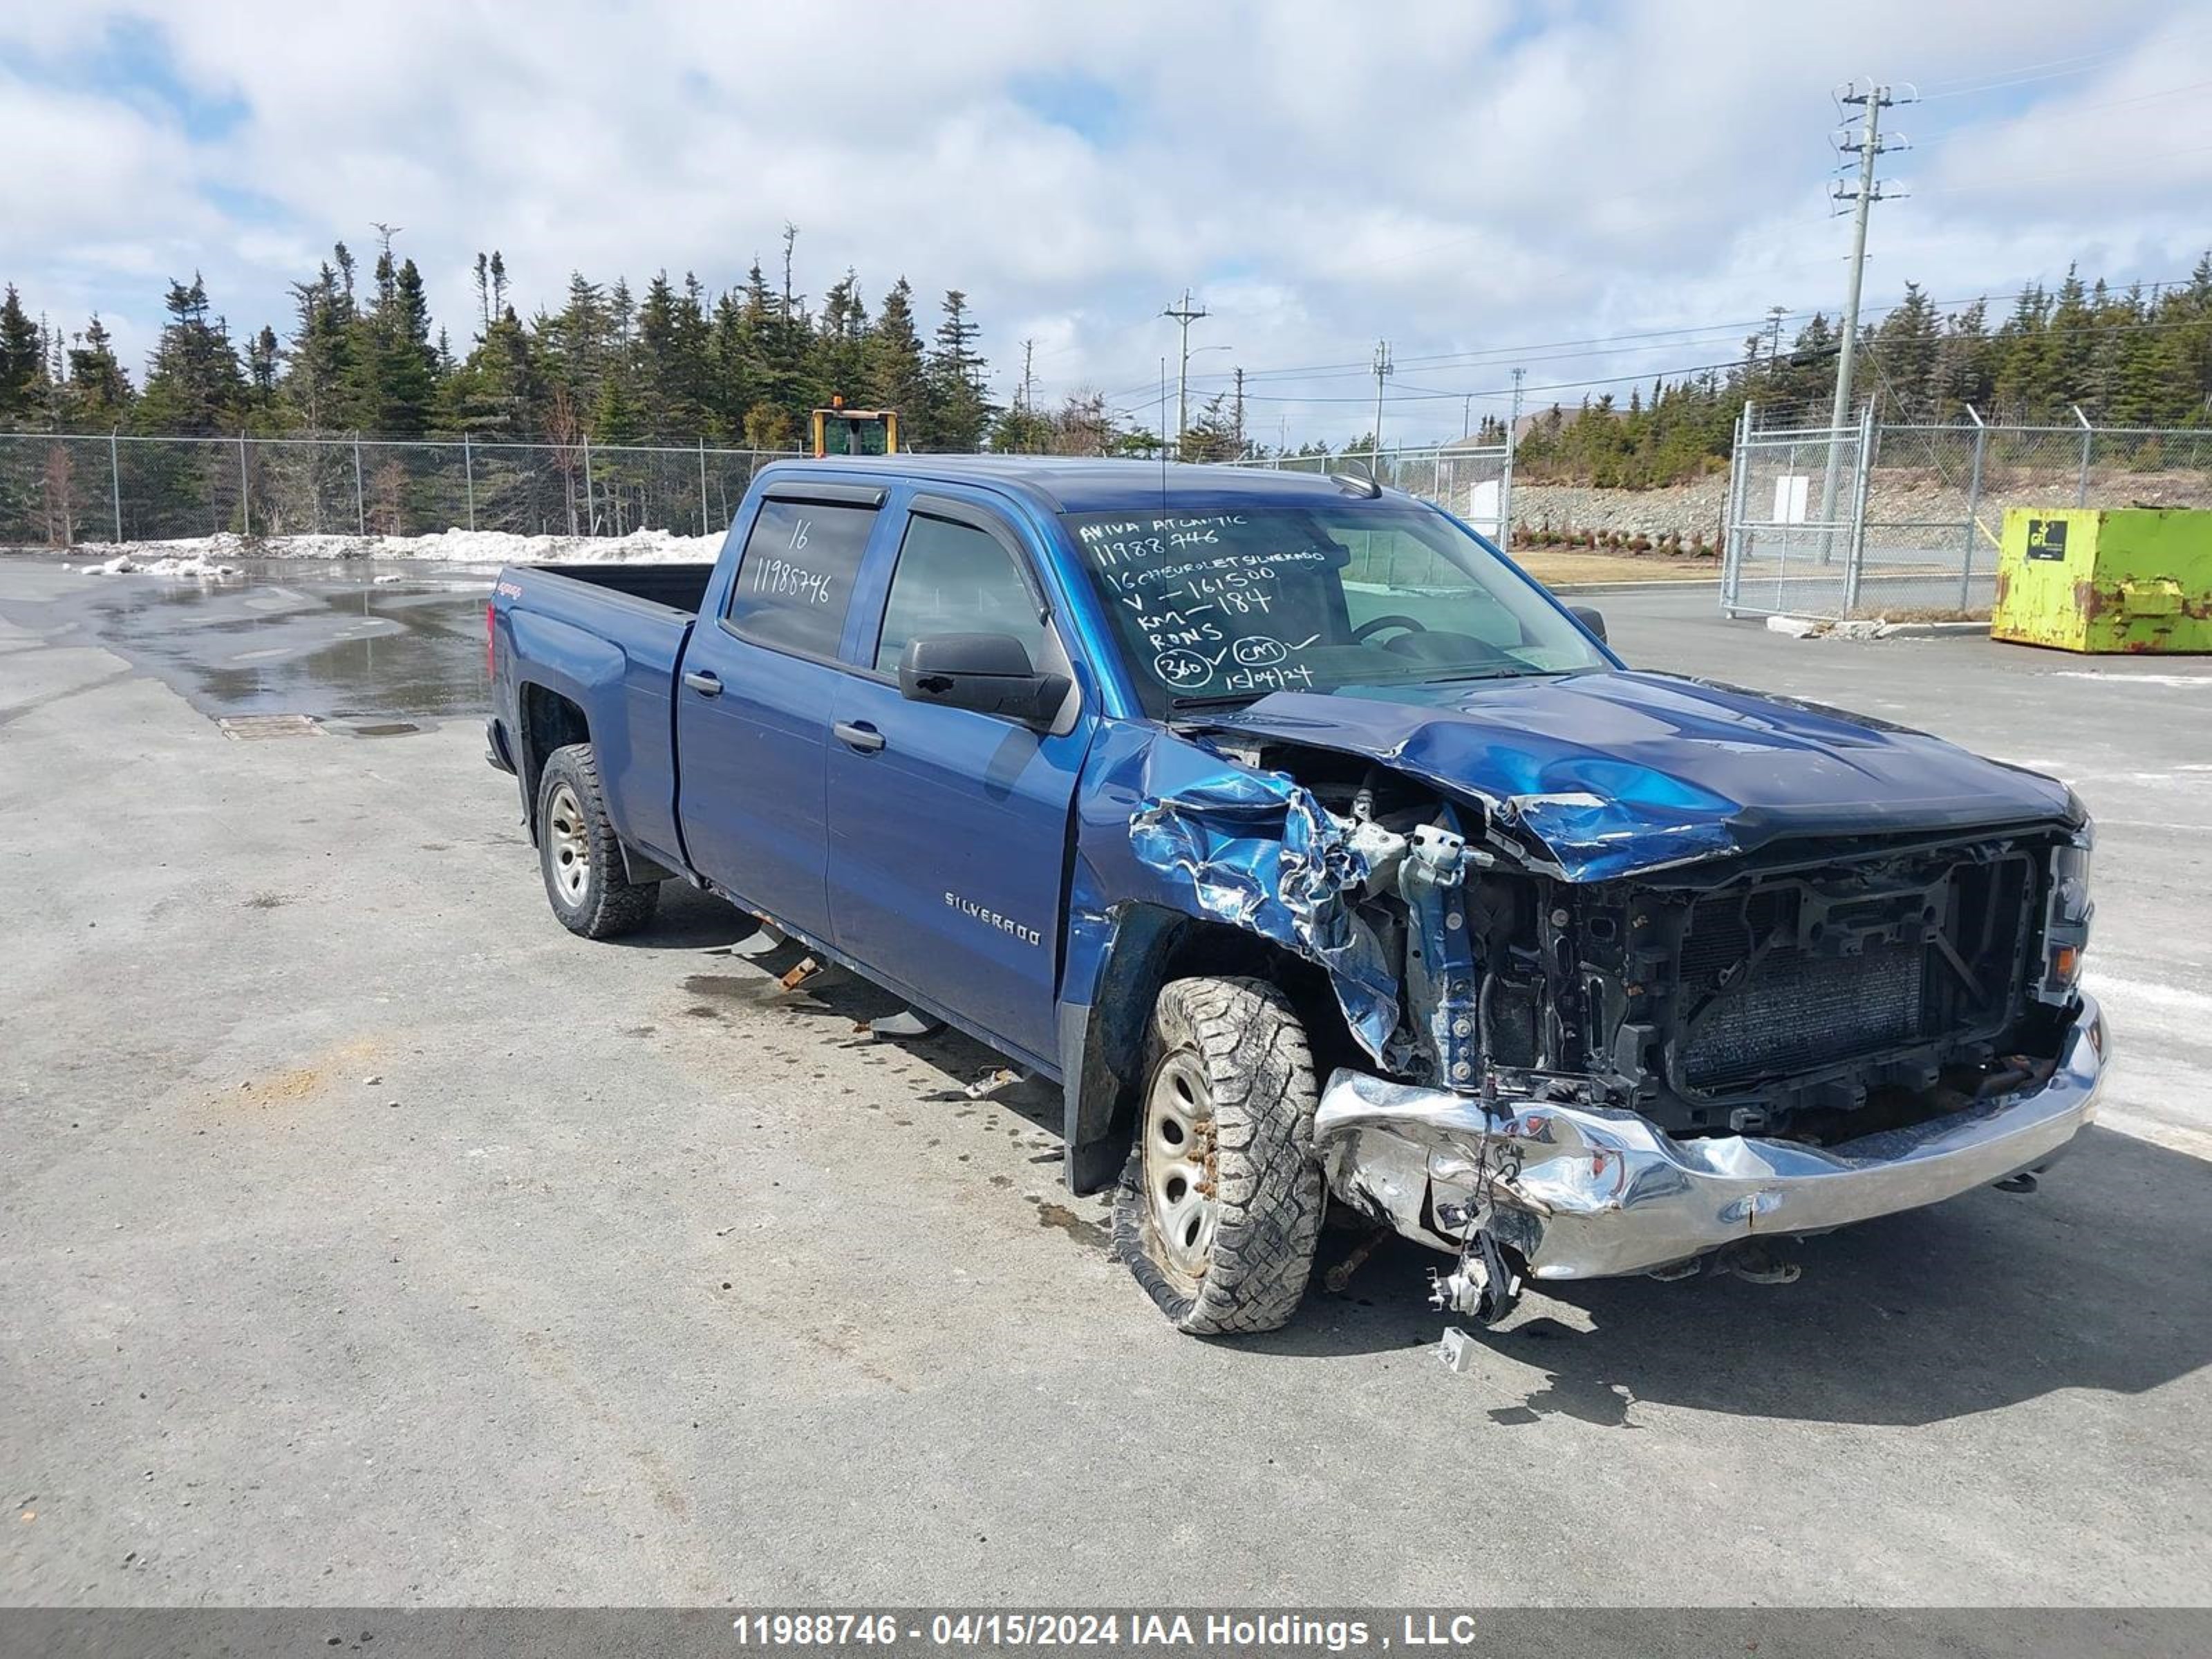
463 547
197 566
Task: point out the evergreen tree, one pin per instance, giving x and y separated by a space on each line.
99 391
573 344
838 359
194 387
262 363
729 382
1964 374
1212 435
959 405
319 383
394 366
1905 348
674 388
22 361
497 389
892 369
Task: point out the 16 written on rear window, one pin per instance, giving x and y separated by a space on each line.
795 578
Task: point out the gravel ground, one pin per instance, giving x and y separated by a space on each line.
366 1239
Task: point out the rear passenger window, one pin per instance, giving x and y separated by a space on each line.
795 578
955 579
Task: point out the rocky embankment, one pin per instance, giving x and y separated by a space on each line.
1925 500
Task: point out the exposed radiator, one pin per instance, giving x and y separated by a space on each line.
1799 1012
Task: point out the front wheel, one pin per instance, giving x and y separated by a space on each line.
1220 1203
586 880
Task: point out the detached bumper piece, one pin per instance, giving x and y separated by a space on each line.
1590 1194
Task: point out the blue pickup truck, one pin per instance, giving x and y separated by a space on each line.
1319 855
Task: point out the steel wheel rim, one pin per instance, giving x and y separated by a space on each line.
1179 1163
569 842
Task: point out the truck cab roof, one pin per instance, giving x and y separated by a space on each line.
1059 483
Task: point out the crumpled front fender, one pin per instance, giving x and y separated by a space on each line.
1167 821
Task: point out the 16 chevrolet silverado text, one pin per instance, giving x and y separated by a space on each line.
1319 854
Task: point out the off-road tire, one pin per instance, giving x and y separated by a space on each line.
1251 1050
602 901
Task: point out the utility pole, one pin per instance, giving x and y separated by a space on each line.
1774 316
1185 314
1383 367
1873 99
1029 376
1467 416
1240 411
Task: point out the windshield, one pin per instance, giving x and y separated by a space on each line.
1216 609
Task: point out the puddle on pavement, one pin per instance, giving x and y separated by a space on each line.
371 656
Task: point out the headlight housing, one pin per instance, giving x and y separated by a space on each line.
2066 918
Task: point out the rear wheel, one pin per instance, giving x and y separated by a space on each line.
1220 1203
582 859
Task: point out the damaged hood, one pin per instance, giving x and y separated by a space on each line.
1612 772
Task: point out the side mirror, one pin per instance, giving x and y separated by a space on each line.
989 673
1590 618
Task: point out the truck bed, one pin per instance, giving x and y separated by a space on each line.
679 586
604 639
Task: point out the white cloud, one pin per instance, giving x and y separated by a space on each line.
1457 177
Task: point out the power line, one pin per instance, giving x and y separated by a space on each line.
1940 308
1408 391
2065 173
1969 86
1493 355
1944 135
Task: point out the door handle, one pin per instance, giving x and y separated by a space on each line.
859 734
706 685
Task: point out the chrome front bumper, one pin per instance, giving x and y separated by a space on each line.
1586 1194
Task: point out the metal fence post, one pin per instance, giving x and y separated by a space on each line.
1973 508
2089 436
359 498
245 490
468 475
115 476
1505 491
1855 546
1732 532
703 485
591 512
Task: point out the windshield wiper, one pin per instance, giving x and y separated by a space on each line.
1492 674
1232 700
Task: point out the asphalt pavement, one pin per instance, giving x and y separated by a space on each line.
365 1238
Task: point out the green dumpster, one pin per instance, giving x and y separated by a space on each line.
2095 579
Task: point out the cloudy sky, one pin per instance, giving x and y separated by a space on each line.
1549 185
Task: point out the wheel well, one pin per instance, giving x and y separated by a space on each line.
549 721
1152 946
1212 947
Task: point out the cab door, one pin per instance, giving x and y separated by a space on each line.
949 829
752 711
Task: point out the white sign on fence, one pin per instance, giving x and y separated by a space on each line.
1791 491
1484 504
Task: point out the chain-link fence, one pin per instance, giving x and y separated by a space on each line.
58 491
1905 521
1902 520
61 490
1474 483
